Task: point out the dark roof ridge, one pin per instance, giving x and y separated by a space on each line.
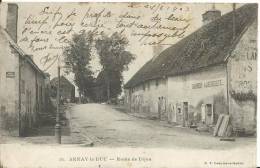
208 45
204 27
236 40
62 77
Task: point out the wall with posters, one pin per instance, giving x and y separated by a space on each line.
243 80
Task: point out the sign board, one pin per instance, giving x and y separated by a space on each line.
10 74
207 84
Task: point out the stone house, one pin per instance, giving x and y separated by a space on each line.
210 72
22 83
67 89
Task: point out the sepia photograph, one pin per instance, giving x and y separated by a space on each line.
128 84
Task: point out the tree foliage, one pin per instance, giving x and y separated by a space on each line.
78 56
114 60
101 86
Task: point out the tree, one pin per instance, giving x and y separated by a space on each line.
78 56
114 59
101 88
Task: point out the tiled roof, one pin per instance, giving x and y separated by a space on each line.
209 45
63 81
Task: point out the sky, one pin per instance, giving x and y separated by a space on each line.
44 28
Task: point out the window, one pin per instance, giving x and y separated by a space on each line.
185 110
209 109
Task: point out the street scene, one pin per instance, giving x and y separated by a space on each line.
110 127
104 125
175 76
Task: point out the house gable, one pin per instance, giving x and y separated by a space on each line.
242 74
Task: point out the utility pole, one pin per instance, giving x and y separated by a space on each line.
58 126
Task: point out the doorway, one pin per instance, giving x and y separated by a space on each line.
185 113
209 116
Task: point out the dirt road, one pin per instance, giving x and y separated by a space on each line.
111 128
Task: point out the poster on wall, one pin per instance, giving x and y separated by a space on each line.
128 84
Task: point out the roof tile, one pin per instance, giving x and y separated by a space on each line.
207 46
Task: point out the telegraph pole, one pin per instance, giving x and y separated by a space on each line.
58 126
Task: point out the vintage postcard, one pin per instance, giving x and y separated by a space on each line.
128 85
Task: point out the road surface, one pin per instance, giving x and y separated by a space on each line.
108 127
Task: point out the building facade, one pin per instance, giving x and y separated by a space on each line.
22 83
210 72
67 89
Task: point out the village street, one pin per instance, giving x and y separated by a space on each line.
94 126
101 125
108 127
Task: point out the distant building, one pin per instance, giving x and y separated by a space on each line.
22 83
67 89
210 72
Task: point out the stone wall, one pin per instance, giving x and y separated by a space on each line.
199 92
9 82
144 98
196 90
243 80
32 97
32 90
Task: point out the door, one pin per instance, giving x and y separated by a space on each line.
171 113
179 115
185 113
209 114
203 113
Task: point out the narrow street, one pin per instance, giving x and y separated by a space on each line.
97 128
108 127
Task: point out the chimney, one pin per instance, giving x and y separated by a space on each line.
3 14
211 15
8 18
156 51
11 20
234 21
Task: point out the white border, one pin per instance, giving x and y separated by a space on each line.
188 1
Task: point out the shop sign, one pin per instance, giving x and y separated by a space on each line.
10 74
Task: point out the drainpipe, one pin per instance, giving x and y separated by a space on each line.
227 78
234 36
19 94
36 113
